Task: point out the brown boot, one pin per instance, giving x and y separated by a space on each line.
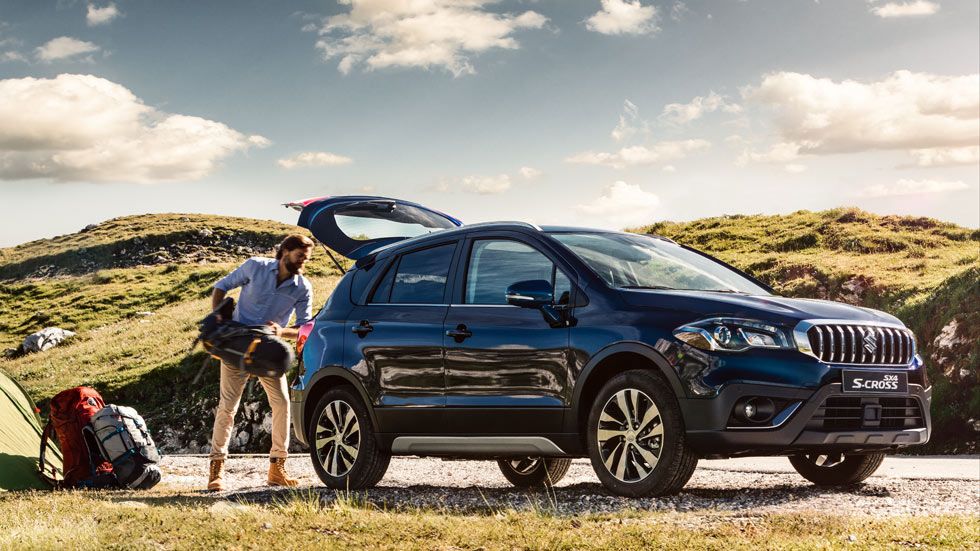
277 473
215 483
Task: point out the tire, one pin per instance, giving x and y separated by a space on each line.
651 461
334 463
836 469
534 472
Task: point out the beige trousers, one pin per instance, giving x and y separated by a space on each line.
232 385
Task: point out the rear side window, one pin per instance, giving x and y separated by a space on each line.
418 278
497 264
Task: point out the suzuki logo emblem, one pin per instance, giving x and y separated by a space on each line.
870 341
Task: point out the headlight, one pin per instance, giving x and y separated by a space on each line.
732 335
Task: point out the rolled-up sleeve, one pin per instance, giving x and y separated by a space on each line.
304 306
240 276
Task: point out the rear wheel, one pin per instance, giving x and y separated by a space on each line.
530 472
636 437
836 469
343 447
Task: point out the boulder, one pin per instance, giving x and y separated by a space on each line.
45 339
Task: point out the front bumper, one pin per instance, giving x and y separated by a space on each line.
709 432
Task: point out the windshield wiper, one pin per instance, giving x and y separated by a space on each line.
659 287
732 291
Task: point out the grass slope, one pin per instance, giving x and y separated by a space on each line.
96 520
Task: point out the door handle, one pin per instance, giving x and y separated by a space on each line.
362 329
460 334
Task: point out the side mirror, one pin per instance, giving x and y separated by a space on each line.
533 293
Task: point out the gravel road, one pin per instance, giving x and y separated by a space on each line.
717 486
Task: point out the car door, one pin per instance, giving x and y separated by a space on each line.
507 369
397 336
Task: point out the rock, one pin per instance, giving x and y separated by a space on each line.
144 314
13 352
89 227
205 232
45 339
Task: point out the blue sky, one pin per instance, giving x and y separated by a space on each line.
603 113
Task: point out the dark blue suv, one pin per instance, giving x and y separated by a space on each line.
534 345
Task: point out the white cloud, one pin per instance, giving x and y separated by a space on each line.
912 187
85 128
314 158
64 47
681 113
912 8
904 111
946 156
529 173
658 153
100 16
794 168
777 154
485 185
669 168
12 55
624 17
620 205
378 34
629 122
679 11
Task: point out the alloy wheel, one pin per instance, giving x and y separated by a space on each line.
826 460
524 465
630 435
338 438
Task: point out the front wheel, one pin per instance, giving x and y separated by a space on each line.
636 437
836 469
343 447
531 472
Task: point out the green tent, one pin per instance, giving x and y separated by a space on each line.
20 440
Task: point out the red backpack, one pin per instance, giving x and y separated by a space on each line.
71 411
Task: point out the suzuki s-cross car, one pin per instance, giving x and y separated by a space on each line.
535 345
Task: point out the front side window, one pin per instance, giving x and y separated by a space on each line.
629 261
497 264
417 278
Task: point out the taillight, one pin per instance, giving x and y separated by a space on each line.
304 333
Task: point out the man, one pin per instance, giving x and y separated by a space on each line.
271 290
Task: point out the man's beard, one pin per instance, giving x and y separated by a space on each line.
293 268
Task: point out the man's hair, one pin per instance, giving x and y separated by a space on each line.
293 242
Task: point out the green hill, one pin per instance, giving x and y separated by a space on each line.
133 289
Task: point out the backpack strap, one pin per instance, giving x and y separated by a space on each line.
45 436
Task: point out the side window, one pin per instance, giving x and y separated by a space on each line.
361 277
420 277
382 293
496 264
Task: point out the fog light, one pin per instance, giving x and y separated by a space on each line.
755 409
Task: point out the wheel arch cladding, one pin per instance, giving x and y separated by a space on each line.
611 362
321 384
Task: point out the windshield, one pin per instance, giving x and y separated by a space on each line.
629 261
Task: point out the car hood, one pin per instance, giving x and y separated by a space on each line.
768 307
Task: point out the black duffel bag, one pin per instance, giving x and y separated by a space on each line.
251 348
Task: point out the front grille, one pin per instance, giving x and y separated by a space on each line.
841 413
862 344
